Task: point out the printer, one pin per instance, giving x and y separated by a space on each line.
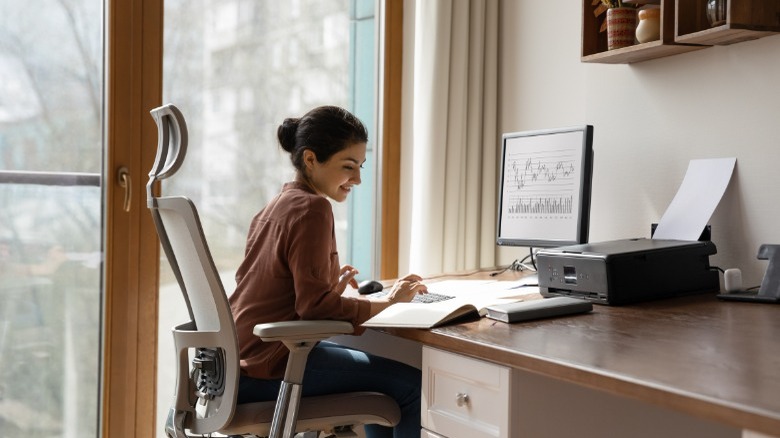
627 271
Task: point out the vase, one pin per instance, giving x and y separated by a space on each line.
649 27
621 26
716 12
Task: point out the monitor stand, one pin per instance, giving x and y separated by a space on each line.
769 292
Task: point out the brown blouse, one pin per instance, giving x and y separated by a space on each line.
290 270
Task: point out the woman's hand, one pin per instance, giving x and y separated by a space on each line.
403 291
406 288
346 277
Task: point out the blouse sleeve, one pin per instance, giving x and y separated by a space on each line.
314 264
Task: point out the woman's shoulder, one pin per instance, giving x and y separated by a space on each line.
300 199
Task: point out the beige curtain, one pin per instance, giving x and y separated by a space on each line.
455 143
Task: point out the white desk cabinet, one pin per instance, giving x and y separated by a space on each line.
464 397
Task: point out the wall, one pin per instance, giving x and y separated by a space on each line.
650 119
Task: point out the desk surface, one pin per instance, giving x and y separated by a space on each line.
713 359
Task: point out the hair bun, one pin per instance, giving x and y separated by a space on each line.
286 133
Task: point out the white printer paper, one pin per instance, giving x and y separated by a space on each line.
700 192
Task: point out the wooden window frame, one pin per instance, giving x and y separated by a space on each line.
391 137
133 86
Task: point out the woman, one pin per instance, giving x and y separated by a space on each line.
291 271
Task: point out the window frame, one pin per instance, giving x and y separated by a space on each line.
133 85
389 175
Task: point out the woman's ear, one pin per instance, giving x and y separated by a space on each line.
309 158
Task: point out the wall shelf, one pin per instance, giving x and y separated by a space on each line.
594 42
684 28
745 20
639 52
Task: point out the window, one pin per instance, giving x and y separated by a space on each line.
51 154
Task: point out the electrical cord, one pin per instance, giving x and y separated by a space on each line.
719 269
518 265
514 263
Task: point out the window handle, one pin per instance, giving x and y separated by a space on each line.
124 180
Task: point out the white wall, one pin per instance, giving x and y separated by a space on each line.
650 119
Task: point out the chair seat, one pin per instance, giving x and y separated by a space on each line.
319 413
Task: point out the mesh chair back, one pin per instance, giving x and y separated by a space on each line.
205 396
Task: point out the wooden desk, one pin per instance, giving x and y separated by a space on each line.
696 355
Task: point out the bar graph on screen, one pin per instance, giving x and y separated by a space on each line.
542 182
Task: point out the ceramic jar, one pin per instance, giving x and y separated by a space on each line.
649 27
621 25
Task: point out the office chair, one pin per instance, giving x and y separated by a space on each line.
207 345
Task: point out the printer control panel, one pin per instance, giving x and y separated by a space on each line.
570 274
576 277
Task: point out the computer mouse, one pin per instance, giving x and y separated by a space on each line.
369 287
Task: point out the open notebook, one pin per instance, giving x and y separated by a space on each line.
469 297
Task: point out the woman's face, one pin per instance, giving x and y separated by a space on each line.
335 177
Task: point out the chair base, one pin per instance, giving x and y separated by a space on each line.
334 413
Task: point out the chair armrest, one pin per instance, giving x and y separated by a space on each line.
302 331
300 337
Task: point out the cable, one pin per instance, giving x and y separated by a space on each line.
493 274
518 265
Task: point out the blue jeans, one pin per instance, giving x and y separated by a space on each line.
333 368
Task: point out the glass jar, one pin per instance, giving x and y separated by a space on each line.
716 12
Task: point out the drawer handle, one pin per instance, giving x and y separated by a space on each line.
461 399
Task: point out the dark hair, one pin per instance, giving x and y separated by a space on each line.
324 130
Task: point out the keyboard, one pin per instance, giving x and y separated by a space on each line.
430 297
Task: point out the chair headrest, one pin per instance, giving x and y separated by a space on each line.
171 143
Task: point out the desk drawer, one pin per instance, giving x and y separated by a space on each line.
464 397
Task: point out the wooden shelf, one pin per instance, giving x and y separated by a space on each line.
745 20
639 52
594 42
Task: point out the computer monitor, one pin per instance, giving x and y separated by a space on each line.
544 197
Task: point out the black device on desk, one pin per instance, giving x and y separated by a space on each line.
369 287
627 271
538 309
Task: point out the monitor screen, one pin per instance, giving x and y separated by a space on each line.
544 195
